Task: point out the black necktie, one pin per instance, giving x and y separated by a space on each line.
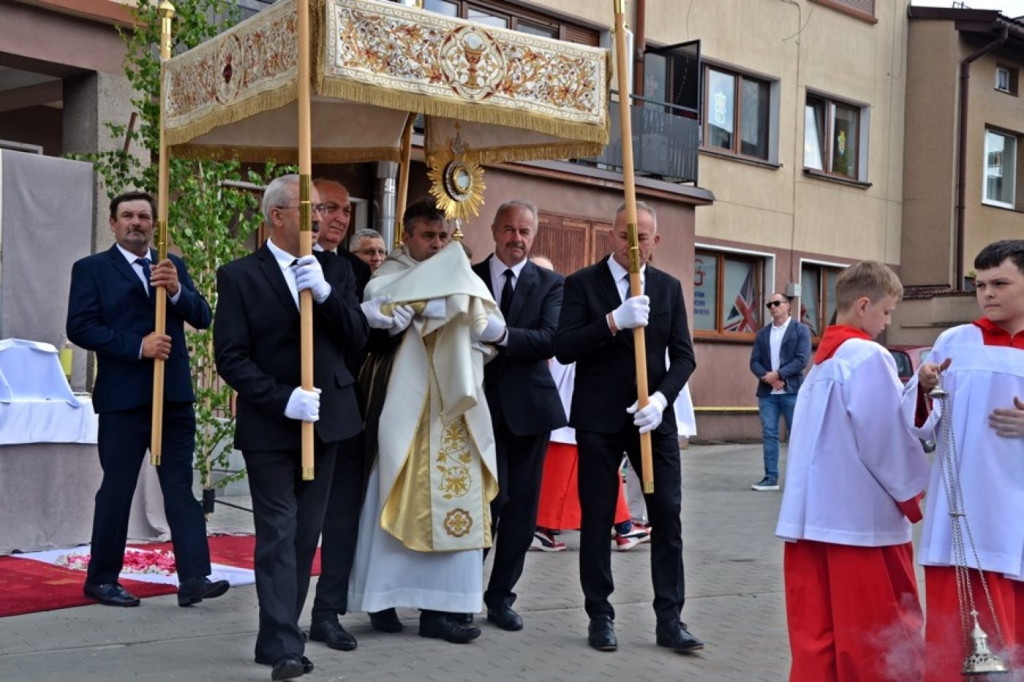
506 293
146 272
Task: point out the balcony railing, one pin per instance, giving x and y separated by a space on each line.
665 141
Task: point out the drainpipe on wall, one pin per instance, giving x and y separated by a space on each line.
961 171
640 43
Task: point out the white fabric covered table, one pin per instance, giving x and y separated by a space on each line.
36 402
49 466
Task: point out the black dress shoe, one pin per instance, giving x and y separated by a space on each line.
288 667
443 626
601 634
110 594
464 618
331 633
386 621
674 635
307 665
505 618
196 590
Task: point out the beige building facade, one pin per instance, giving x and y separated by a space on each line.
962 171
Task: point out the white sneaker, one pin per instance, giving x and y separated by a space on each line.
765 484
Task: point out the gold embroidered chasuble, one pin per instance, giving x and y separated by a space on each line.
436 451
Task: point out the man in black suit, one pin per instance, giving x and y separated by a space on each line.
111 310
521 395
341 520
595 332
256 338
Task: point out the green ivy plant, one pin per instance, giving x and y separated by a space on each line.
209 219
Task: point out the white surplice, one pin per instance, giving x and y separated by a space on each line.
851 456
980 379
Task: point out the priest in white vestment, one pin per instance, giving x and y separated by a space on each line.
426 518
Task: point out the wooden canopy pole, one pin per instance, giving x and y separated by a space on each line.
635 285
305 226
156 439
403 178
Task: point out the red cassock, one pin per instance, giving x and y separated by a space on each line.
985 374
853 474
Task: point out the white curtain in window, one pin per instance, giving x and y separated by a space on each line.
812 138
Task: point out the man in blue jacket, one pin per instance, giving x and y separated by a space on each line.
111 311
781 352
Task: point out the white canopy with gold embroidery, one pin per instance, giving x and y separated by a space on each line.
513 96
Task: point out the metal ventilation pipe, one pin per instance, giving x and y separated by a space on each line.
384 197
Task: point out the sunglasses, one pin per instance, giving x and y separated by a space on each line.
773 304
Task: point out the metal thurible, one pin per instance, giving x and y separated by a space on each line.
980 662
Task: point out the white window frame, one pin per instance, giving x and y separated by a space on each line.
1010 167
1003 71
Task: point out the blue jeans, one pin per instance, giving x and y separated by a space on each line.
771 407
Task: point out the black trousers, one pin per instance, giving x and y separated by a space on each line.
599 458
288 513
340 529
520 462
123 441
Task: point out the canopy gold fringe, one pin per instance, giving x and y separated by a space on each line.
232 113
284 155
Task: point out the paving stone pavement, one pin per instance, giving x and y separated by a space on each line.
734 602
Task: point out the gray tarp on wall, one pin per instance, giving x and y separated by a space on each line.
46 215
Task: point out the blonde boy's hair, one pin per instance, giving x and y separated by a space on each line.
868 278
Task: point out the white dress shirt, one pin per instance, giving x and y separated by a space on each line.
621 277
284 261
775 344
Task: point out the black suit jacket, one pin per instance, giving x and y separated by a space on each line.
360 269
517 382
605 366
109 312
256 340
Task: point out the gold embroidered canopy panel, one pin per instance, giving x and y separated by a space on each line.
507 95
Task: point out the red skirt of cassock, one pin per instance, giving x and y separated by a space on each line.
559 507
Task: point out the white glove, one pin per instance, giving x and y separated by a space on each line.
309 275
632 313
649 418
303 405
492 332
402 316
377 319
435 307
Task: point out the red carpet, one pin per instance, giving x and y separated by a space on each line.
28 586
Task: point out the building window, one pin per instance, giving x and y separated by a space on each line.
832 137
864 9
727 293
1000 168
499 15
1006 79
737 119
818 296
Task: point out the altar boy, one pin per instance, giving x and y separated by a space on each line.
983 372
852 481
